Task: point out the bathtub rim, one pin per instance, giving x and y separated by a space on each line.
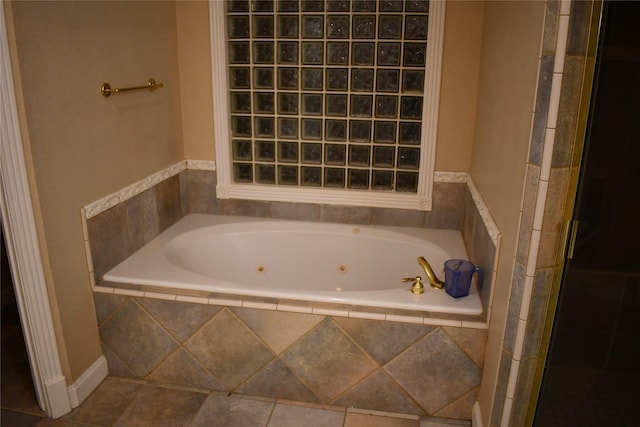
166 290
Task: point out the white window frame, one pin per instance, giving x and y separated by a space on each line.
227 189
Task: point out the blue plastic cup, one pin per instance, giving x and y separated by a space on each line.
458 274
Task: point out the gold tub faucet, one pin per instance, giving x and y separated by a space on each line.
417 287
433 280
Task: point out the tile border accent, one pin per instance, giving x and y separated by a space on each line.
94 208
203 165
354 314
101 205
451 177
483 210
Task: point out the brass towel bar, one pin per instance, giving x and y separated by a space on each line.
106 89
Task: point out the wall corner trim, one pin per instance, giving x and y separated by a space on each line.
23 248
88 382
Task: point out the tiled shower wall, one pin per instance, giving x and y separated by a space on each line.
552 170
368 364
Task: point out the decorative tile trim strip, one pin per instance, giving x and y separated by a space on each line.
365 315
101 205
202 165
475 325
329 312
122 195
128 292
158 295
491 225
225 302
442 322
259 305
451 177
87 248
292 308
192 299
465 178
404 319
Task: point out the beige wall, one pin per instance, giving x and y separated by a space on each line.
195 79
511 40
83 146
458 96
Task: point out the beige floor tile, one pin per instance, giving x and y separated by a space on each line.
296 416
223 411
160 406
17 389
363 420
16 419
106 403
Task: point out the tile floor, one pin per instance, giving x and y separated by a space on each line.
125 402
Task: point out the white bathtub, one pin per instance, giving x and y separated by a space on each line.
304 261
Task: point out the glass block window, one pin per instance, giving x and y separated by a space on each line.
327 101
327 93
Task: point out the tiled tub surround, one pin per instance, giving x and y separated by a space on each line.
376 365
123 222
119 224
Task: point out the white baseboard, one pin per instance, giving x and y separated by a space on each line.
88 382
476 416
56 397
